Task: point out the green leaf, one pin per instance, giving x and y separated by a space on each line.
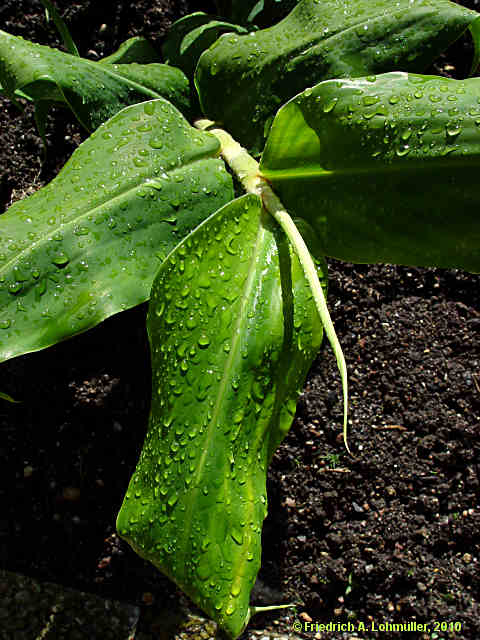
243 80
52 13
261 12
190 36
233 331
93 90
7 398
137 49
88 245
385 169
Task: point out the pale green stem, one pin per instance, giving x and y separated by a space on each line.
247 170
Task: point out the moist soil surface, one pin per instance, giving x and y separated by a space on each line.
390 536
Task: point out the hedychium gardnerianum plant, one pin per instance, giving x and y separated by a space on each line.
361 158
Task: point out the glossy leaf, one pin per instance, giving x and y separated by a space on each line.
243 80
233 331
385 169
88 245
93 90
137 49
190 36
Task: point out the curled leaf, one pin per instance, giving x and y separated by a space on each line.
94 91
190 36
233 331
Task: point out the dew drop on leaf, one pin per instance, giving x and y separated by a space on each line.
15 287
149 108
453 130
330 105
203 341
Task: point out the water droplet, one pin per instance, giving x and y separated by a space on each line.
203 341
172 500
156 142
5 324
236 587
149 108
140 162
370 100
330 105
61 259
15 287
453 130
191 323
204 569
403 150
237 535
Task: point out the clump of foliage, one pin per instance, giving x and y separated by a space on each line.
361 158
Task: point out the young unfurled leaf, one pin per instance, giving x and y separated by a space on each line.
94 91
261 12
233 330
88 245
7 398
243 80
190 36
385 168
52 13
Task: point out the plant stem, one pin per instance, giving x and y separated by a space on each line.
247 170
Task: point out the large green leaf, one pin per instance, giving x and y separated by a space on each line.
243 80
89 244
190 36
233 330
386 169
94 91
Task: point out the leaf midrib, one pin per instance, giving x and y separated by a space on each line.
234 351
435 164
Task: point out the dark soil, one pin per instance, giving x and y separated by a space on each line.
390 536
